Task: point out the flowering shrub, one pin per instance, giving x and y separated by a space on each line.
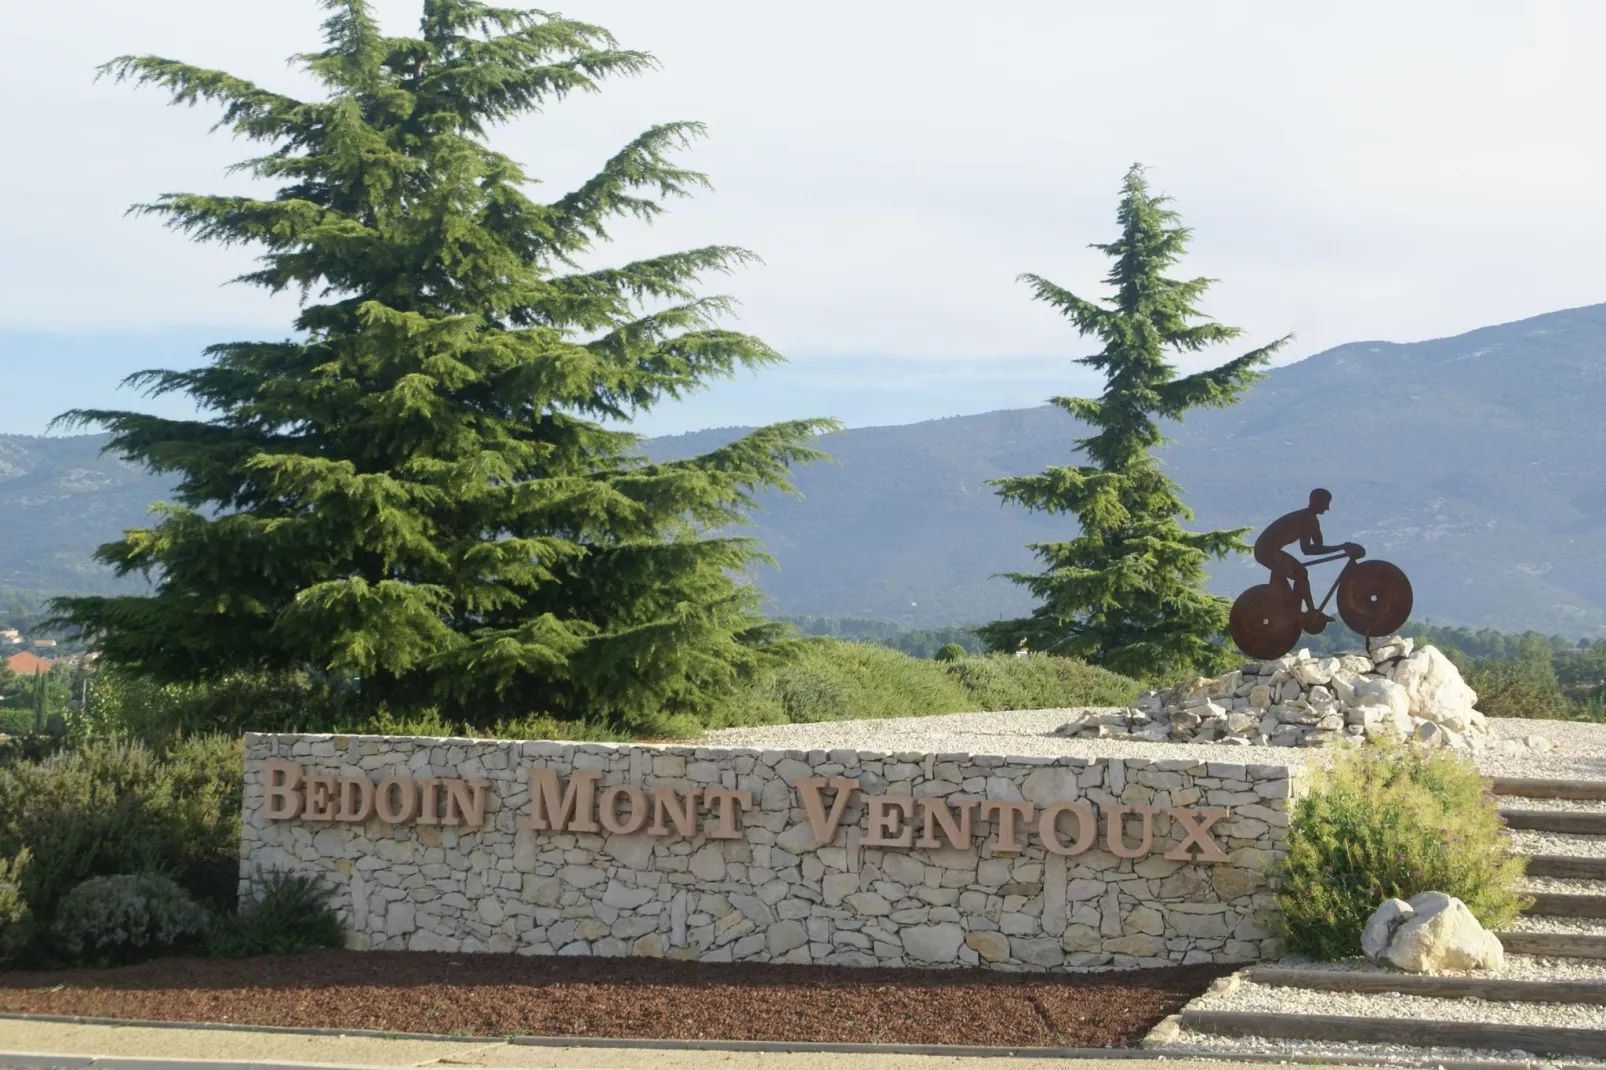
1392 821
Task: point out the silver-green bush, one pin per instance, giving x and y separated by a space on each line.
16 920
126 918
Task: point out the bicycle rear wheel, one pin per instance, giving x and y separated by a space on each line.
1374 598
1264 621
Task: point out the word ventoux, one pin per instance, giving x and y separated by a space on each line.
579 806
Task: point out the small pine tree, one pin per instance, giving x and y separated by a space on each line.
1128 593
418 493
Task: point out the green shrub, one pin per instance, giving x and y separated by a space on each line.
106 808
126 706
1390 822
290 914
16 920
949 652
831 680
1039 681
1517 688
15 722
108 921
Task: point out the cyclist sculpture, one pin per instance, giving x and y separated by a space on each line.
1374 598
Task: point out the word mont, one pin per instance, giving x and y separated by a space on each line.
583 805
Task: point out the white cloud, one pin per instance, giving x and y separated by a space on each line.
1368 170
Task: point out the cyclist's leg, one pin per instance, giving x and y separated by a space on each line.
1299 578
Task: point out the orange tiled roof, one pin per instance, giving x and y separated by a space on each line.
26 663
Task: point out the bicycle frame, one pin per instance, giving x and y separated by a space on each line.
1337 581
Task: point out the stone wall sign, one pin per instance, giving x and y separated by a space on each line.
839 857
894 820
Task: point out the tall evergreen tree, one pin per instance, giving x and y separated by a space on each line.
1128 593
419 491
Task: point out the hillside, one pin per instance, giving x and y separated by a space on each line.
1474 462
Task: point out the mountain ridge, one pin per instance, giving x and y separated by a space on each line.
1474 462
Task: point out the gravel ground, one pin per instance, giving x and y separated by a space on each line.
1566 885
1527 923
1515 968
1005 732
1263 999
1520 802
1555 843
1315 1051
1579 750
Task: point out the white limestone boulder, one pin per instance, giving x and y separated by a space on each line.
1442 936
1377 691
1382 926
1437 692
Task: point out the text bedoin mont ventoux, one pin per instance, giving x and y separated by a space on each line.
1064 828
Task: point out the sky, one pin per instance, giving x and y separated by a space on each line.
1351 172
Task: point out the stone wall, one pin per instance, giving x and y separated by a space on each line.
770 891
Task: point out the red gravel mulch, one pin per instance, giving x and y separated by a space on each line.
506 995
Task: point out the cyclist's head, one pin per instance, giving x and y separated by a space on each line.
1320 500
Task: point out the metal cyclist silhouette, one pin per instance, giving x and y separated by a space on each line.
1374 597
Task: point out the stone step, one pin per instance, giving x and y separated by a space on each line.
1378 981
1554 945
1538 1040
1578 867
1585 822
1583 790
1560 905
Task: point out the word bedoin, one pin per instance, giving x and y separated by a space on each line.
581 805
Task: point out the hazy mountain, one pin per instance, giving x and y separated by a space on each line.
59 499
1475 463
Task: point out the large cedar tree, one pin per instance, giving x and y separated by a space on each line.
425 491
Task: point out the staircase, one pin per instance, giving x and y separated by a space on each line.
1589 901
1560 827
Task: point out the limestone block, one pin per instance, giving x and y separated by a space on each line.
933 943
783 936
708 862
1138 945
991 946
1038 952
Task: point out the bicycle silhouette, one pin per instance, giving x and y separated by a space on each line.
1374 599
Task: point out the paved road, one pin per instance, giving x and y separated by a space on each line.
71 1043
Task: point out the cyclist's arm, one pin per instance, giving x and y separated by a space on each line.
1310 543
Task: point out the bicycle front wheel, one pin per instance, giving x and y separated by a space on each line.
1374 598
1264 621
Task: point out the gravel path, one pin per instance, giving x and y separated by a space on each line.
1582 806
1263 999
1567 885
1527 923
1316 1051
1515 968
1578 750
1556 843
1006 732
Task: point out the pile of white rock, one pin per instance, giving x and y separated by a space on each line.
1301 701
